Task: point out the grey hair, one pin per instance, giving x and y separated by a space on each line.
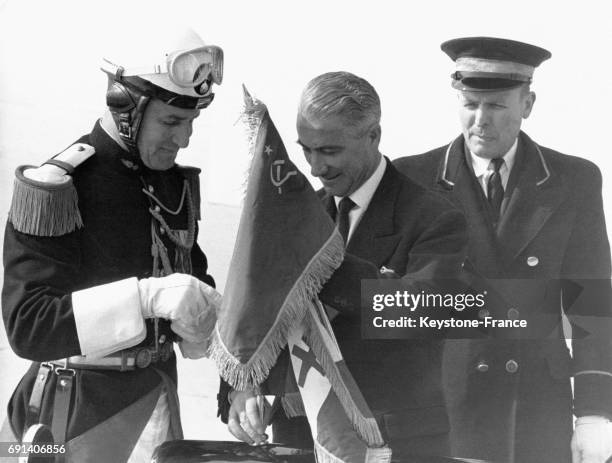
341 94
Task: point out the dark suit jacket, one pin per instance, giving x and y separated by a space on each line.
510 400
421 236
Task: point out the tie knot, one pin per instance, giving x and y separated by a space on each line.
345 205
497 164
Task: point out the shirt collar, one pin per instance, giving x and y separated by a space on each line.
481 165
116 158
363 195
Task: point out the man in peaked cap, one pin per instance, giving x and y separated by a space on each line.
103 272
537 234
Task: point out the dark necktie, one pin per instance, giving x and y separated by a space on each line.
342 218
495 189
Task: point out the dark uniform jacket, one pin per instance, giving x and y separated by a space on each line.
420 236
510 399
114 243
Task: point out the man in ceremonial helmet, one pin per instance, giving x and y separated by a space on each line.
103 272
538 238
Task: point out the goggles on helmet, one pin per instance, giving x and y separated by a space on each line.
187 68
191 68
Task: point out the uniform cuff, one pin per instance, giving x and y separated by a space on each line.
108 317
593 393
223 404
591 419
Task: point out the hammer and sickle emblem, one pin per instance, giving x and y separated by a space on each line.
277 181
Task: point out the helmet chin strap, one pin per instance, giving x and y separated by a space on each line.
108 123
127 106
127 99
128 123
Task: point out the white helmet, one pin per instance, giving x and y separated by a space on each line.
172 64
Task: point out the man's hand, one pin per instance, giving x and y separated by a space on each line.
592 440
244 419
190 303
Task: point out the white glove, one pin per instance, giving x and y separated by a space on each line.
194 350
592 440
190 303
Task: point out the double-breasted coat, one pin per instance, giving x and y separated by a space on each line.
508 393
114 242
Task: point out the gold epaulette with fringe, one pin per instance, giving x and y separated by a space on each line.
45 201
192 175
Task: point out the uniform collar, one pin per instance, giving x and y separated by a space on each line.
482 165
454 157
117 158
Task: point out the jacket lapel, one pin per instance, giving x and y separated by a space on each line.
537 193
456 181
328 203
375 237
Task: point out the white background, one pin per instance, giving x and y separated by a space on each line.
52 91
50 52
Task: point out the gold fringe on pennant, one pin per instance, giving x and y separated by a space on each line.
367 428
44 209
293 405
377 455
251 117
306 287
256 128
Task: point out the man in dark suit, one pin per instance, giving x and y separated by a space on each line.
537 234
399 227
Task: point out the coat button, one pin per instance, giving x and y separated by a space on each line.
513 314
511 366
151 189
156 209
482 366
532 261
483 313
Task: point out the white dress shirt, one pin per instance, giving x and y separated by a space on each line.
362 196
483 168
